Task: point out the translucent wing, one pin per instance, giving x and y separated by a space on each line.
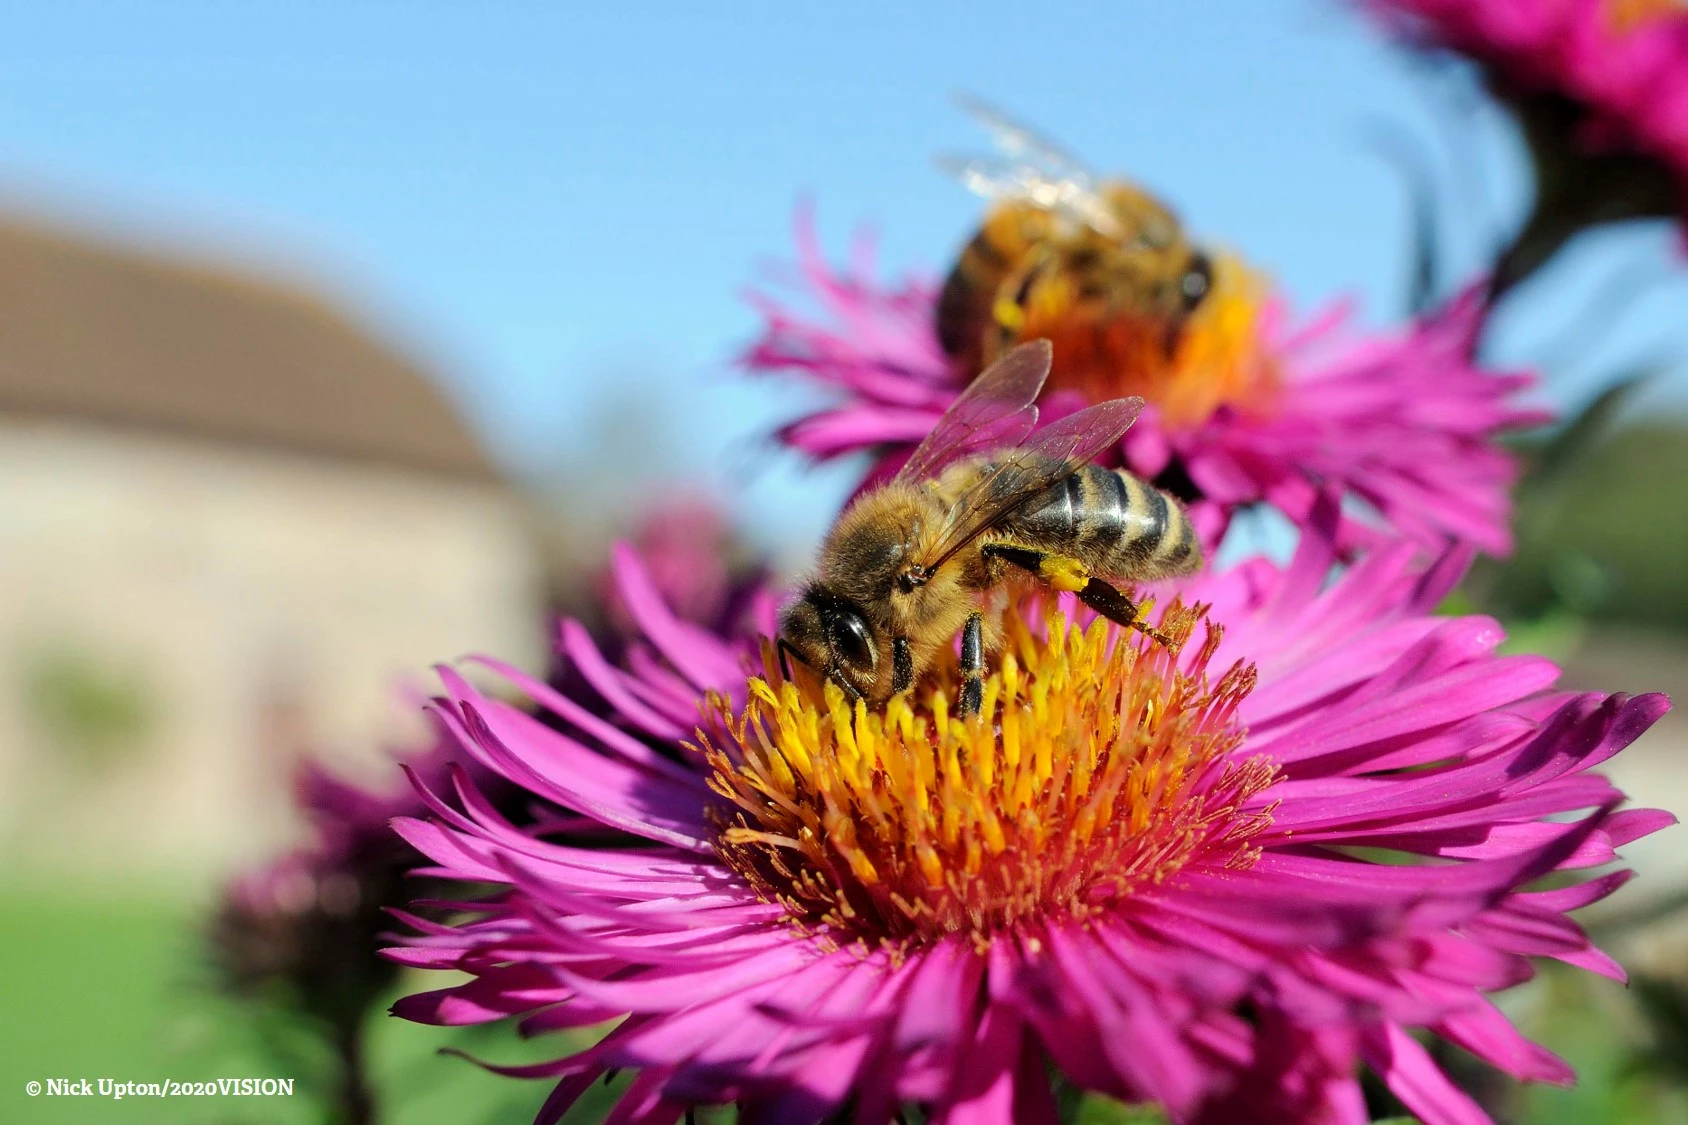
1052 454
994 411
1029 167
1021 143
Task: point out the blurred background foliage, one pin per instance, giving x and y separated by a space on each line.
1601 531
88 710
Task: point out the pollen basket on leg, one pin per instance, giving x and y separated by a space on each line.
1100 765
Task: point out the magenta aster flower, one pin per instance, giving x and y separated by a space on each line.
306 923
297 918
1149 871
1247 410
301 935
696 562
1601 89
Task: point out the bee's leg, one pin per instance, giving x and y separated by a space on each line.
1106 599
902 665
972 666
1071 575
1009 308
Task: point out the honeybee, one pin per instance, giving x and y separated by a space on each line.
921 557
1101 268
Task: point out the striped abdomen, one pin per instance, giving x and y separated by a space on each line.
1115 524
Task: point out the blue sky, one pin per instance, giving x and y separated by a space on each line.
558 207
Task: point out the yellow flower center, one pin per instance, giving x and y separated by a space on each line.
1098 767
1625 16
1215 357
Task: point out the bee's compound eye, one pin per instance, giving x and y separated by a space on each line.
852 642
1198 279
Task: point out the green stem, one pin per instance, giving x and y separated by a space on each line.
355 1100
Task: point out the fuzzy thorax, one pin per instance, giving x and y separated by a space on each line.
1101 765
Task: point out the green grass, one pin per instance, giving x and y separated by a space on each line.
96 987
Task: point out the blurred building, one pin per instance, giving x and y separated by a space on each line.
231 523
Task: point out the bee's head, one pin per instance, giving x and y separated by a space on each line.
834 637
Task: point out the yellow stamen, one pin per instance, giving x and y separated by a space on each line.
1100 765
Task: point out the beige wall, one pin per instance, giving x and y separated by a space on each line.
177 618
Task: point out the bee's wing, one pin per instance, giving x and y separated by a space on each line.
994 411
1022 144
995 177
1052 454
1029 167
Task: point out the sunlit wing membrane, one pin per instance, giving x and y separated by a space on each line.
1052 454
1031 168
995 179
993 412
991 177
1023 144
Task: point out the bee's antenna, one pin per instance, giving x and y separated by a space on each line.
784 646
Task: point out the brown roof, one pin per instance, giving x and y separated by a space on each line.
114 335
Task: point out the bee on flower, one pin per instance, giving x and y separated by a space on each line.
1150 868
1242 408
932 552
1100 267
